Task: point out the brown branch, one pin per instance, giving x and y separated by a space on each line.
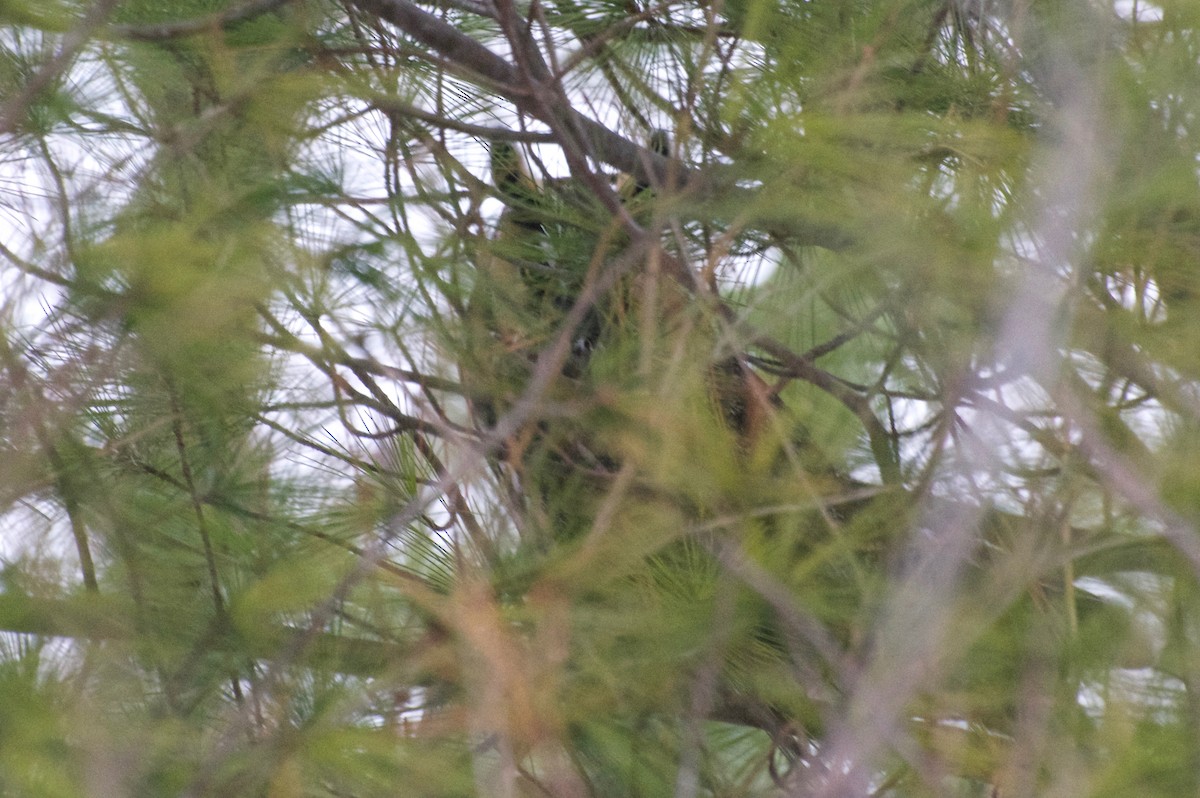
598 141
580 136
392 105
287 342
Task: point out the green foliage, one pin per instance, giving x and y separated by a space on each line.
604 398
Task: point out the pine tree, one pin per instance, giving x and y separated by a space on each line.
388 403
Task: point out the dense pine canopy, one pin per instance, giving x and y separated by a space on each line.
590 398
